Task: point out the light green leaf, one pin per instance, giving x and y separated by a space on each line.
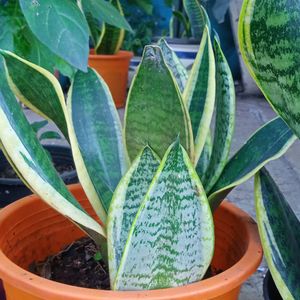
20 145
279 232
104 11
155 113
36 88
61 26
268 143
174 63
112 38
199 93
96 139
171 241
269 39
197 16
225 119
125 204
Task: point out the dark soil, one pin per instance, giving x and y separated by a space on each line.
8 171
76 265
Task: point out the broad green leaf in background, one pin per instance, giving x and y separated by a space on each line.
37 88
15 36
146 5
19 143
197 16
174 63
171 240
269 39
225 119
155 113
104 11
61 26
125 204
96 139
268 143
279 232
112 38
199 93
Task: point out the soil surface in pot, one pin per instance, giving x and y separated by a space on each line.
78 264
8 171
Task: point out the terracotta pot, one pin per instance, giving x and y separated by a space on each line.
30 230
114 70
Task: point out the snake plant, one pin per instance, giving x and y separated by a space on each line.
155 182
270 44
106 38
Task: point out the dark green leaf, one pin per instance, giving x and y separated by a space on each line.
269 38
50 135
280 235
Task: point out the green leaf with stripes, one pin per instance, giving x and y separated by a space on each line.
36 88
197 16
31 162
279 232
96 139
61 26
268 143
112 38
125 204
155 113
104 11
204 159
269 39
199 93
225 119
174 63
171 240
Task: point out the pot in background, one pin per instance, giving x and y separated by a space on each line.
12 189
114 70
41 231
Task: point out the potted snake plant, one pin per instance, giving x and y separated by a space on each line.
268 38
106 57
157 184
157 231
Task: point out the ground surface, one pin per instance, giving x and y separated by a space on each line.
252 112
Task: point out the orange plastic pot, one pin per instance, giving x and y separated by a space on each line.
30 230
114 70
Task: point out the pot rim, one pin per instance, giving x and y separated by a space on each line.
122 54
212 287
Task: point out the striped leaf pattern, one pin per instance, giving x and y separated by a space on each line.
174 63
280 235
269 39
204 159
19 143
225 119
125 204
96 139
268 143
112 38
155 113
36 88
171 241
199 93
197 17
